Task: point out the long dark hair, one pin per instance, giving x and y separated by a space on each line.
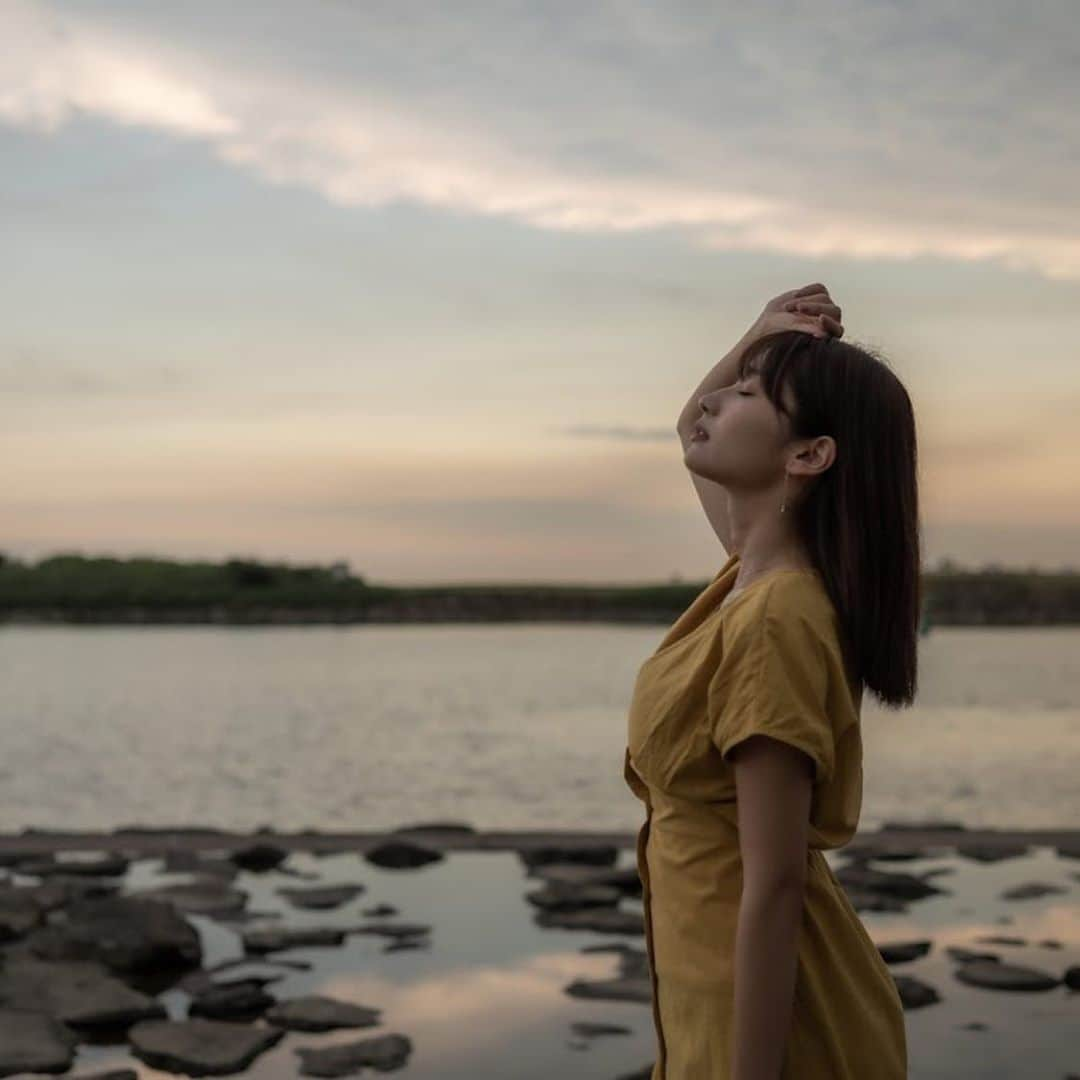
859 520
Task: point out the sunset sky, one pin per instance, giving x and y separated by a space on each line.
425 286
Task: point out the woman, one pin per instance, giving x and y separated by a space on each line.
744 736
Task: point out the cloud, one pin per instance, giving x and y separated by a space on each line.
635 434
847 128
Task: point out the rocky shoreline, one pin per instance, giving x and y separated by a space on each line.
85 957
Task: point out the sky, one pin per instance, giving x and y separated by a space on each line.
424 287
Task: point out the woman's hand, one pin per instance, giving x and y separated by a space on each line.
810 309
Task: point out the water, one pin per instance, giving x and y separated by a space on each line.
502 726
488 998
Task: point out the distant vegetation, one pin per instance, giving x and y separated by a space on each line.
81 589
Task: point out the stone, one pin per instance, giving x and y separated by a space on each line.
601 920
265 939
914 993
402 855
902 952
383 1053
620 989
83 995
201 1047
259 857
320 897
34 1042
991 975
126 934
318 1013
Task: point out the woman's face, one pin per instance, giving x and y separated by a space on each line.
745 438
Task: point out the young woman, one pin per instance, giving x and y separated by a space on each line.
744 734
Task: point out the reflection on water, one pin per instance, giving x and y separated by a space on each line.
512 726
487 999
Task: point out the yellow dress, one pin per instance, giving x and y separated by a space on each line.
768 661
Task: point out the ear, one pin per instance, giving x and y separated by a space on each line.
815 457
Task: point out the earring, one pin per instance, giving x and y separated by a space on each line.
783 504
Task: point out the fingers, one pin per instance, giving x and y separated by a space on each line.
815 307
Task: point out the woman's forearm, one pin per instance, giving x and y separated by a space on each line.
766 959
724 373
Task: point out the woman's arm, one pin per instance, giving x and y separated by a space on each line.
773 782
810 309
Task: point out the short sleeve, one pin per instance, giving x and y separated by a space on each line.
772 680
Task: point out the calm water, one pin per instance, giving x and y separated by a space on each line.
518 725
488 999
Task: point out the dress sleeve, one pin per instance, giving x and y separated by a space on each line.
773 680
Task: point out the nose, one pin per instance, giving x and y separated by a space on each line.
702 405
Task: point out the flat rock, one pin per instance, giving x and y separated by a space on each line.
320 897
558 896
318 1013
965 956
238 1000
79 994
620 989
626 880
990 853
594 855
111 865
208 896
914 993
994 975
587 1029
383 1053
1031 890
886 883
201 1047
34 1042
601 920
402 855
392 929
902 952
265 939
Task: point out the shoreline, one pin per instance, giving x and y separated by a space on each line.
453 836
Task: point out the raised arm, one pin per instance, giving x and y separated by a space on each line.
810 309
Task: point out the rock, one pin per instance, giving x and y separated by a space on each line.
405 944
264 939
869 851
965 956
886 883
126 934
625 880
602 920
383 1053
393 930
194 862
239 1000
1000 939
379 911
914 993
589 1030
19 912
402 855
989 853
111 865
923 826
903 952
644 1073
200 1047
1030 890
446 828
318 1013
259 857
79 994
321 897
598 855
620 989
991 975
1072 977
14 856
202 896
34 1042
1049 943
560 897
